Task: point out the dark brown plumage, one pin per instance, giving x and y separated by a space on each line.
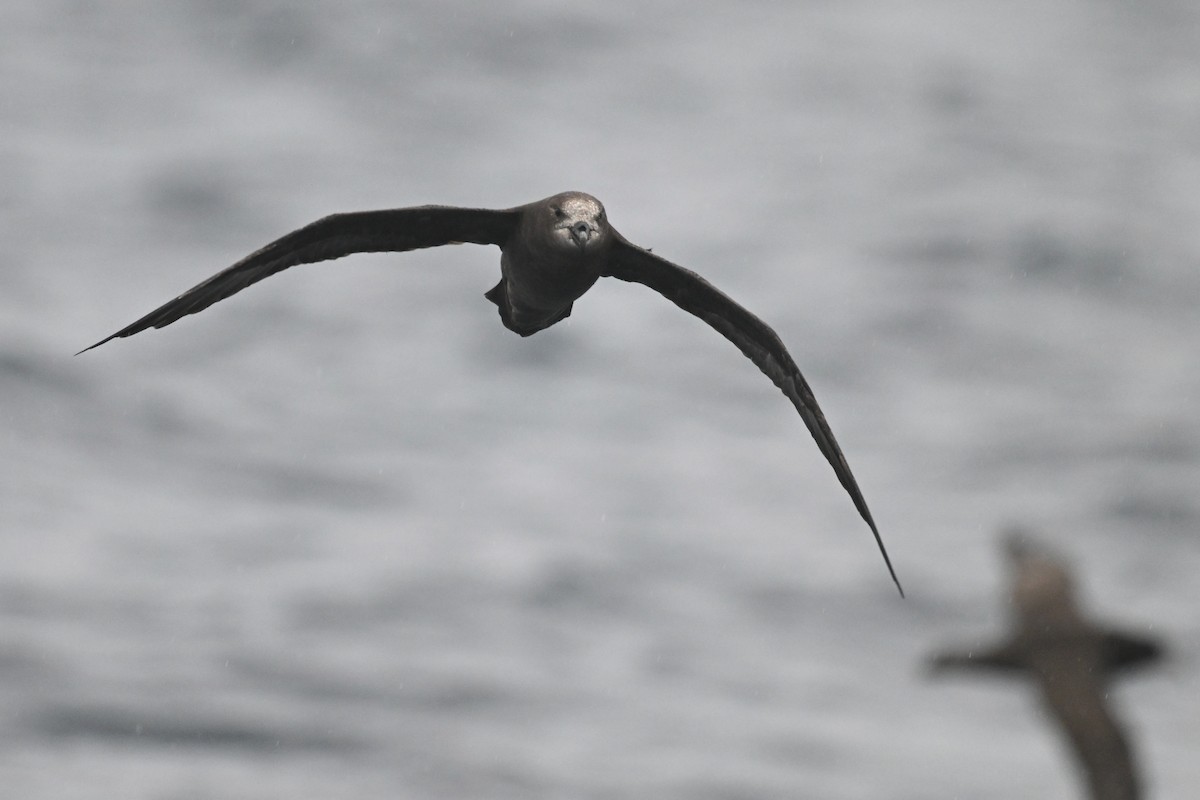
552 251
1071 660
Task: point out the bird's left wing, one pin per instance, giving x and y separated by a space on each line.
390 230
754 338
1127 651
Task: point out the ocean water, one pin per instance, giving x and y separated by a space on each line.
345 536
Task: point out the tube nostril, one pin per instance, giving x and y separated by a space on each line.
581 233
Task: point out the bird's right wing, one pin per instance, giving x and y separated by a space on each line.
391 230
1008 656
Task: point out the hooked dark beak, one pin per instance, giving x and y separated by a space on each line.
581 233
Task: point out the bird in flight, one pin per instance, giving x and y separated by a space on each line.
551 252
1071 658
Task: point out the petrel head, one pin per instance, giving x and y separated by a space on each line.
1042 587
577 220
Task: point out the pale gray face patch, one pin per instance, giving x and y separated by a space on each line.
578 219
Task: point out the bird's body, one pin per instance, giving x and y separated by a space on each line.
552 252
558 252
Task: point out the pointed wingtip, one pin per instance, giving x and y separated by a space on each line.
94 346
895 580
866 515
888 562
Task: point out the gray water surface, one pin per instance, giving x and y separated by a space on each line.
344 536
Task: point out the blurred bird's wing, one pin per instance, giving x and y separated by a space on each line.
1008 656
1127 651
1075 696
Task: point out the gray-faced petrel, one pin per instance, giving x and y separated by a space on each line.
551 252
